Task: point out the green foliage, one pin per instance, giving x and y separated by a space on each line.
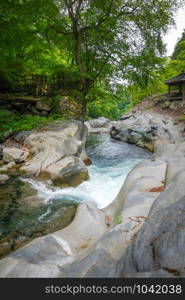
180 46
181 118
106 102
11 122
86 41
118 220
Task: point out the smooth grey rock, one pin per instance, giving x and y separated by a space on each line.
160 244
55 149
126 116
14 155
148 130
99 125
3 178
8 166
22 135
176 150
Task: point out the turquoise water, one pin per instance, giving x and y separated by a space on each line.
112 161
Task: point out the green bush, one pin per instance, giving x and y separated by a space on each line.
11 122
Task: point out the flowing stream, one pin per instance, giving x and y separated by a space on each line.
112 161
24 216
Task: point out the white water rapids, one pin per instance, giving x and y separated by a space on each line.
112 161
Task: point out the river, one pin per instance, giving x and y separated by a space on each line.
20 222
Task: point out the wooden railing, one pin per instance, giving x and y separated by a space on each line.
41 85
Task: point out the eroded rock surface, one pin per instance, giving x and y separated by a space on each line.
146 130
140 234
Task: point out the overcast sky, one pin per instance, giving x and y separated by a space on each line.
172 37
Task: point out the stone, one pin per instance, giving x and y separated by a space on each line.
126 116
176 150
14 155
57 249
3 178
147 130
32 201
57 153
43 106
99 125
159 245
6 167
140 234
22 135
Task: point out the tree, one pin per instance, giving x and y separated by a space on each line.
180 46
112 37
177 63
98 39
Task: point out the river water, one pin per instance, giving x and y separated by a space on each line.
112 160
22 219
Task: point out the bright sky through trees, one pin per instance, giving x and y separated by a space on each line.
175 33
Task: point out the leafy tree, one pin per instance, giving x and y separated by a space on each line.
96 40
112 38
180 46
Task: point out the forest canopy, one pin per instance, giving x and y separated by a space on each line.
91 43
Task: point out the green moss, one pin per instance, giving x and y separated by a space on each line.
71 180
118 220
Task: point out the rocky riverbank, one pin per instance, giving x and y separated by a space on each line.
55 153
54 156
140 234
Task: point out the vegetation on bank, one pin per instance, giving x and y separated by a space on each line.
90 44
11 122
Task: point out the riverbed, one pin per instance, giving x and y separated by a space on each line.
21 221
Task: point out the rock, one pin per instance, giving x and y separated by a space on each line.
176 150
140 234
145 139
100 122
146 130
3 178
126 116
69 171
68 107
22 135
159 245
43 106
5 168
57 153
31 201
98 125
53 252
31 216
14 155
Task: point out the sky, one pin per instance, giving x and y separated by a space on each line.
175 32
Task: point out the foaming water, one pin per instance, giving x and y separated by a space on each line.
112 161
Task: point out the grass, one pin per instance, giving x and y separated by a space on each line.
11 122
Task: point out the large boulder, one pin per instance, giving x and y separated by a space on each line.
3 178
159 245
143 138
58 153
98 125
146 130
14 155
43 106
